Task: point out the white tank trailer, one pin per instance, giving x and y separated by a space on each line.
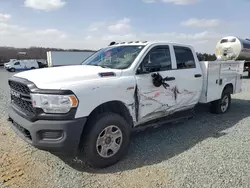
234 48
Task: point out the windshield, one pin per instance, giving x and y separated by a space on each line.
228 40
115 57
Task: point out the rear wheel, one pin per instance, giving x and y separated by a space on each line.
222 105
32 68
106 140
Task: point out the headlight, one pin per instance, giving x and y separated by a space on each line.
54 103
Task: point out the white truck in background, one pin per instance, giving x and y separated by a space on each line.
20 65
63 58
91 109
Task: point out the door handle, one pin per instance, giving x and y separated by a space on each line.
197 75
169 79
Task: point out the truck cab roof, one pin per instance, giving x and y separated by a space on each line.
148 43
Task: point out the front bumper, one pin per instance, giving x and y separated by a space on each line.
7 68
50 135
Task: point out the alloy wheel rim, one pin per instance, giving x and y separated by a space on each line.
109 141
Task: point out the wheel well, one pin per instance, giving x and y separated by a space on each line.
229 87
117 107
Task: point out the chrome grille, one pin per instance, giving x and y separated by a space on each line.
19 87
20 97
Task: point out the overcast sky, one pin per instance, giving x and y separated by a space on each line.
93 24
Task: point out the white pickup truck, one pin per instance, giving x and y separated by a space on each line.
91 109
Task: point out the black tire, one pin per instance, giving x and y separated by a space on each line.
88 149
32 68
217 106
12 70
248 74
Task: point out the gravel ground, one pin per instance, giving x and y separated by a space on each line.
207 151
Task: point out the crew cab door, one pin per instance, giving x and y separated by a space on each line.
188 75
181 81
155 101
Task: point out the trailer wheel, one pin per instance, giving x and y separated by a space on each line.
106 140
222 105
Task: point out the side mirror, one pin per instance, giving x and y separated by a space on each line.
148 68
152 67
138 71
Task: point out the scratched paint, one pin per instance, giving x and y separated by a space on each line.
137 102
131 108
134 107
131 88
159 102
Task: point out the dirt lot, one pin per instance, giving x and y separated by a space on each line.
207 151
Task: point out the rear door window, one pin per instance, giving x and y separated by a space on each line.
184 57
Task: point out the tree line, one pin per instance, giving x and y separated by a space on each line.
206 57
7 53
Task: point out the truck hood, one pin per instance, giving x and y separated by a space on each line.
59 77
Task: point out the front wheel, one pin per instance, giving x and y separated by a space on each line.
12 70
107 140
222 105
